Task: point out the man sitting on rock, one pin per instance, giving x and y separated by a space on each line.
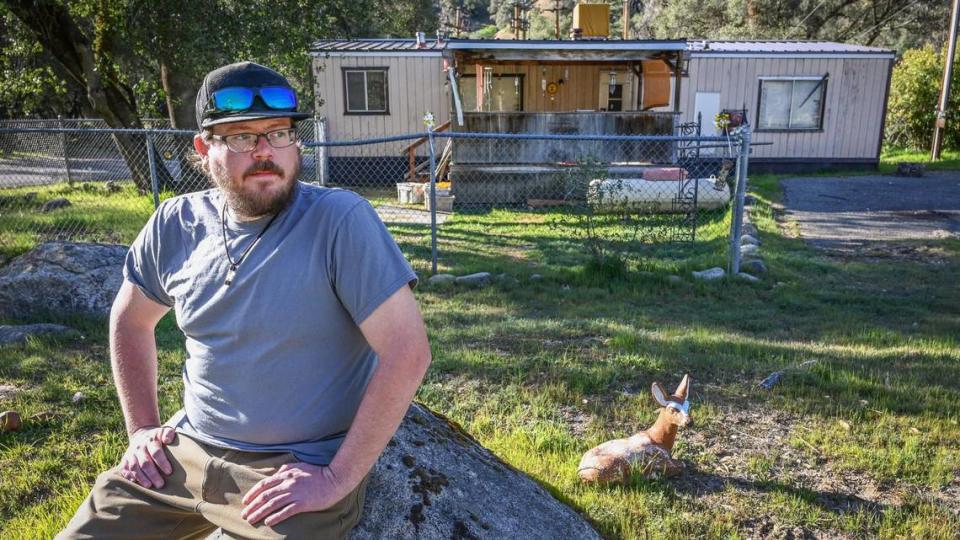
304 342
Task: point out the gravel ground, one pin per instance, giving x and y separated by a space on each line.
859 211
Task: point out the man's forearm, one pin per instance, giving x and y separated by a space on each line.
386 400
133 357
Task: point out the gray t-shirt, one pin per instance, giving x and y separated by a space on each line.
276 361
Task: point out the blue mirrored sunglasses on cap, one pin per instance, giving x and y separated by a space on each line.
240 98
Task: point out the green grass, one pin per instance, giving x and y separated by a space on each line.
864 443
949 159
95 214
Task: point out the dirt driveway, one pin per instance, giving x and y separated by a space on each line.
857 212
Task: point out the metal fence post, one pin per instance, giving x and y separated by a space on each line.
736 227
63 141
152 159
433 202
320 152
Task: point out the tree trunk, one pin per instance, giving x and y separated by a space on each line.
181 91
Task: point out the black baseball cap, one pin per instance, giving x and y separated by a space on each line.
244 75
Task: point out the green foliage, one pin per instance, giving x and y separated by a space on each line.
136 42
898 24
487 32
30 86
914 96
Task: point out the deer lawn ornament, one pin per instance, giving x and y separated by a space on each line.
646 453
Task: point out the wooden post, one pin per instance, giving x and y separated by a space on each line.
479 79
411 164
941 120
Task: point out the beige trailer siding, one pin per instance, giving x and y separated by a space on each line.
415 85
852 113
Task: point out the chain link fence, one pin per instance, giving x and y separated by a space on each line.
442 193
81 180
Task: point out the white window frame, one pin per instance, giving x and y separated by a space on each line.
366 91
823 99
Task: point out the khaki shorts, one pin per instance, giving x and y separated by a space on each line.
202 493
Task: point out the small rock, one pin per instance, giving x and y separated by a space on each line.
747 277
8 391
441 279
536 277
54 204
911 169
749 249
747 240
478 279
710 274
673 278
844 424
771 380
20 333
754 266
9 421
78 397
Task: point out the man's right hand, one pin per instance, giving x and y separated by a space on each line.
145 460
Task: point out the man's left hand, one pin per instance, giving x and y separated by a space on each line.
294 488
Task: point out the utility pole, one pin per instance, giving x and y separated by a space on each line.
557 9
941 121
516 20
625 20
520 22
459 24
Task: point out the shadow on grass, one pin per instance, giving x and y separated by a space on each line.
698 484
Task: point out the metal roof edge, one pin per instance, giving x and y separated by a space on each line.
580 44
399 52
795 54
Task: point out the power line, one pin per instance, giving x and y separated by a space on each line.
884 21
799 24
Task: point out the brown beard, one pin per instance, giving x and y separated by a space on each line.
255 205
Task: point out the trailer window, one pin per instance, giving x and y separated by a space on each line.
365 91
791 103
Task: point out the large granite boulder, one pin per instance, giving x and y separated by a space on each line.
434 481
62 279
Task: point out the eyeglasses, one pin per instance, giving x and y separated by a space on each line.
240 98
246 142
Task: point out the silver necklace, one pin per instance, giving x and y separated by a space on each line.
232 272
